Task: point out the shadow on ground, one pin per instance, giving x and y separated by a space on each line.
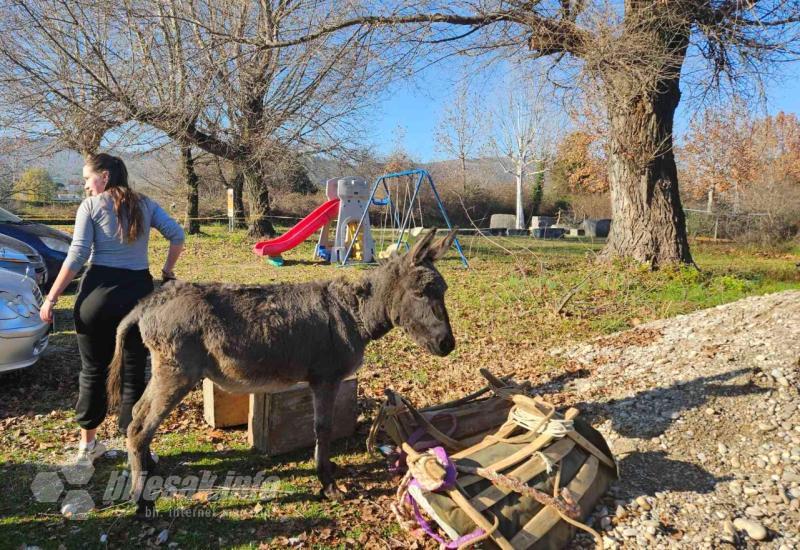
293 507
645 473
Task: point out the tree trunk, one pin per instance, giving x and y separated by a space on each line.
258 195
191 224
537 193
520 217
464 175
238 200
648 220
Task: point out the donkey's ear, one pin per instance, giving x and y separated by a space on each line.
419 253
440 249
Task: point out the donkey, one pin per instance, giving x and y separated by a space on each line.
250 339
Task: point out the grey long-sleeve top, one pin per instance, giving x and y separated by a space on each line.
97 239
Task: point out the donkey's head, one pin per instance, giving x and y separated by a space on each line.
414 295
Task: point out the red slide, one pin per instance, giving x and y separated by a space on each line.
300 232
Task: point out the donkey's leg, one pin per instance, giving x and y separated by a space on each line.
165 390
324 398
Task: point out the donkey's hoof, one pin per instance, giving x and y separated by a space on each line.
332 492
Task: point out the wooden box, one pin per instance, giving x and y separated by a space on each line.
222 409
283 421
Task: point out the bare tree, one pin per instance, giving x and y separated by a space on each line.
13 161
172 65
44 96
177 82
523 133
634 52
7 178
462 129
269 105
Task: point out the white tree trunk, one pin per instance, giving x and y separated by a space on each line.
520 177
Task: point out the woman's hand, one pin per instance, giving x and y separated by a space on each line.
65 275
46 311
167 276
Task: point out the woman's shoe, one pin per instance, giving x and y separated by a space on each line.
89 453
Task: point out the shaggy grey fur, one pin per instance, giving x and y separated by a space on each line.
254 338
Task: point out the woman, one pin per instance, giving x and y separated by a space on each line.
112 230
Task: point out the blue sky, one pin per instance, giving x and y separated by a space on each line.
417 107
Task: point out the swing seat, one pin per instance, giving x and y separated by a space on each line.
393 248
387 252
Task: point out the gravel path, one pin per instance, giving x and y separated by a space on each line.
702 412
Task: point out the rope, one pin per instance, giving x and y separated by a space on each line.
598 539
410 206
384 223
403 210
548 463
433 470
554 427
401 512
421 220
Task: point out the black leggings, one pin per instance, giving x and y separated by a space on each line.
106 295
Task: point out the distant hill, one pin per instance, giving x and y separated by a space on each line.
67 166
158 169
488 170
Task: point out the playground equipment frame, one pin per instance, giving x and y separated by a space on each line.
393 212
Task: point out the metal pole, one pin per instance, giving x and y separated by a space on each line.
447 221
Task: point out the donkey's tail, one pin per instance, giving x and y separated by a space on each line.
114 382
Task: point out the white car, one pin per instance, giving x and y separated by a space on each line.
23 335
21 258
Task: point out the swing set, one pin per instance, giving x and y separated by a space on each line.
399 220
346 235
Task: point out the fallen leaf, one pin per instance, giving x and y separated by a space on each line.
214 436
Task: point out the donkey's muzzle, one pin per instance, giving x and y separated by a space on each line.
445 345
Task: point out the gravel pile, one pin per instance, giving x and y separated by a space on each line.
702 412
